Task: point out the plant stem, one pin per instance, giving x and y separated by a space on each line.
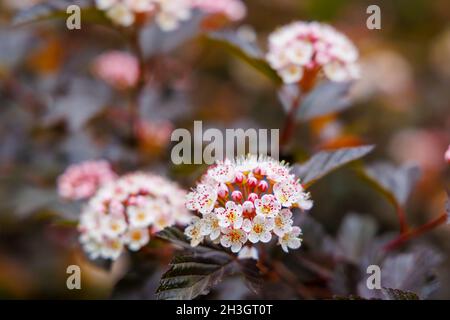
406 236
289 124
402 219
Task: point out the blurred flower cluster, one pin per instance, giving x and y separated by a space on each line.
300 48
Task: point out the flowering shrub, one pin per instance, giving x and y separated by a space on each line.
301 47
241 233
125 212
81 181
247 200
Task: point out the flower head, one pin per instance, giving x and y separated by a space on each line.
126 211
302 47
80 181
244 202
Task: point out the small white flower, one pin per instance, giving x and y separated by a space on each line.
267 206
210 226
300 52
291 73
105 4
223 172
112 248
283 222
258 229
121 15
136 238
248 252
305 203
233 238
287 192
194 232
113 226
231 216
205 198
140 217
291 239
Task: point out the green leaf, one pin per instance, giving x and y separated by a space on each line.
397 294
197 270
396 183
55 9
328 97
325 162
247 51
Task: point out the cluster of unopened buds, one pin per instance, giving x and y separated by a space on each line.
302 47
168 14
245 202
123 212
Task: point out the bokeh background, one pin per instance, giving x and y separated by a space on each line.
54 112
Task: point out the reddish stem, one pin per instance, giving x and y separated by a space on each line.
402 219
404 237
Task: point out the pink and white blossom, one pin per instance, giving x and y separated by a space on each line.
291 239
243 202
302 47
80 181
125 212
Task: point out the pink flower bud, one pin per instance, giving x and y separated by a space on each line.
252 182
252 197
223 190
263 186
236 196
239 178
259 171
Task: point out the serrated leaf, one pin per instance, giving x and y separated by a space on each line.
198 269
247 51
397 294
325 162
396 183
326 98
50 9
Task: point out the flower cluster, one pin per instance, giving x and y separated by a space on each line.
125 212
118 69
81 181
247 200
234 10
300 47
167 13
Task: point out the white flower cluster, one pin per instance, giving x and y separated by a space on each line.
247 200
168 14
300 47
125 212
